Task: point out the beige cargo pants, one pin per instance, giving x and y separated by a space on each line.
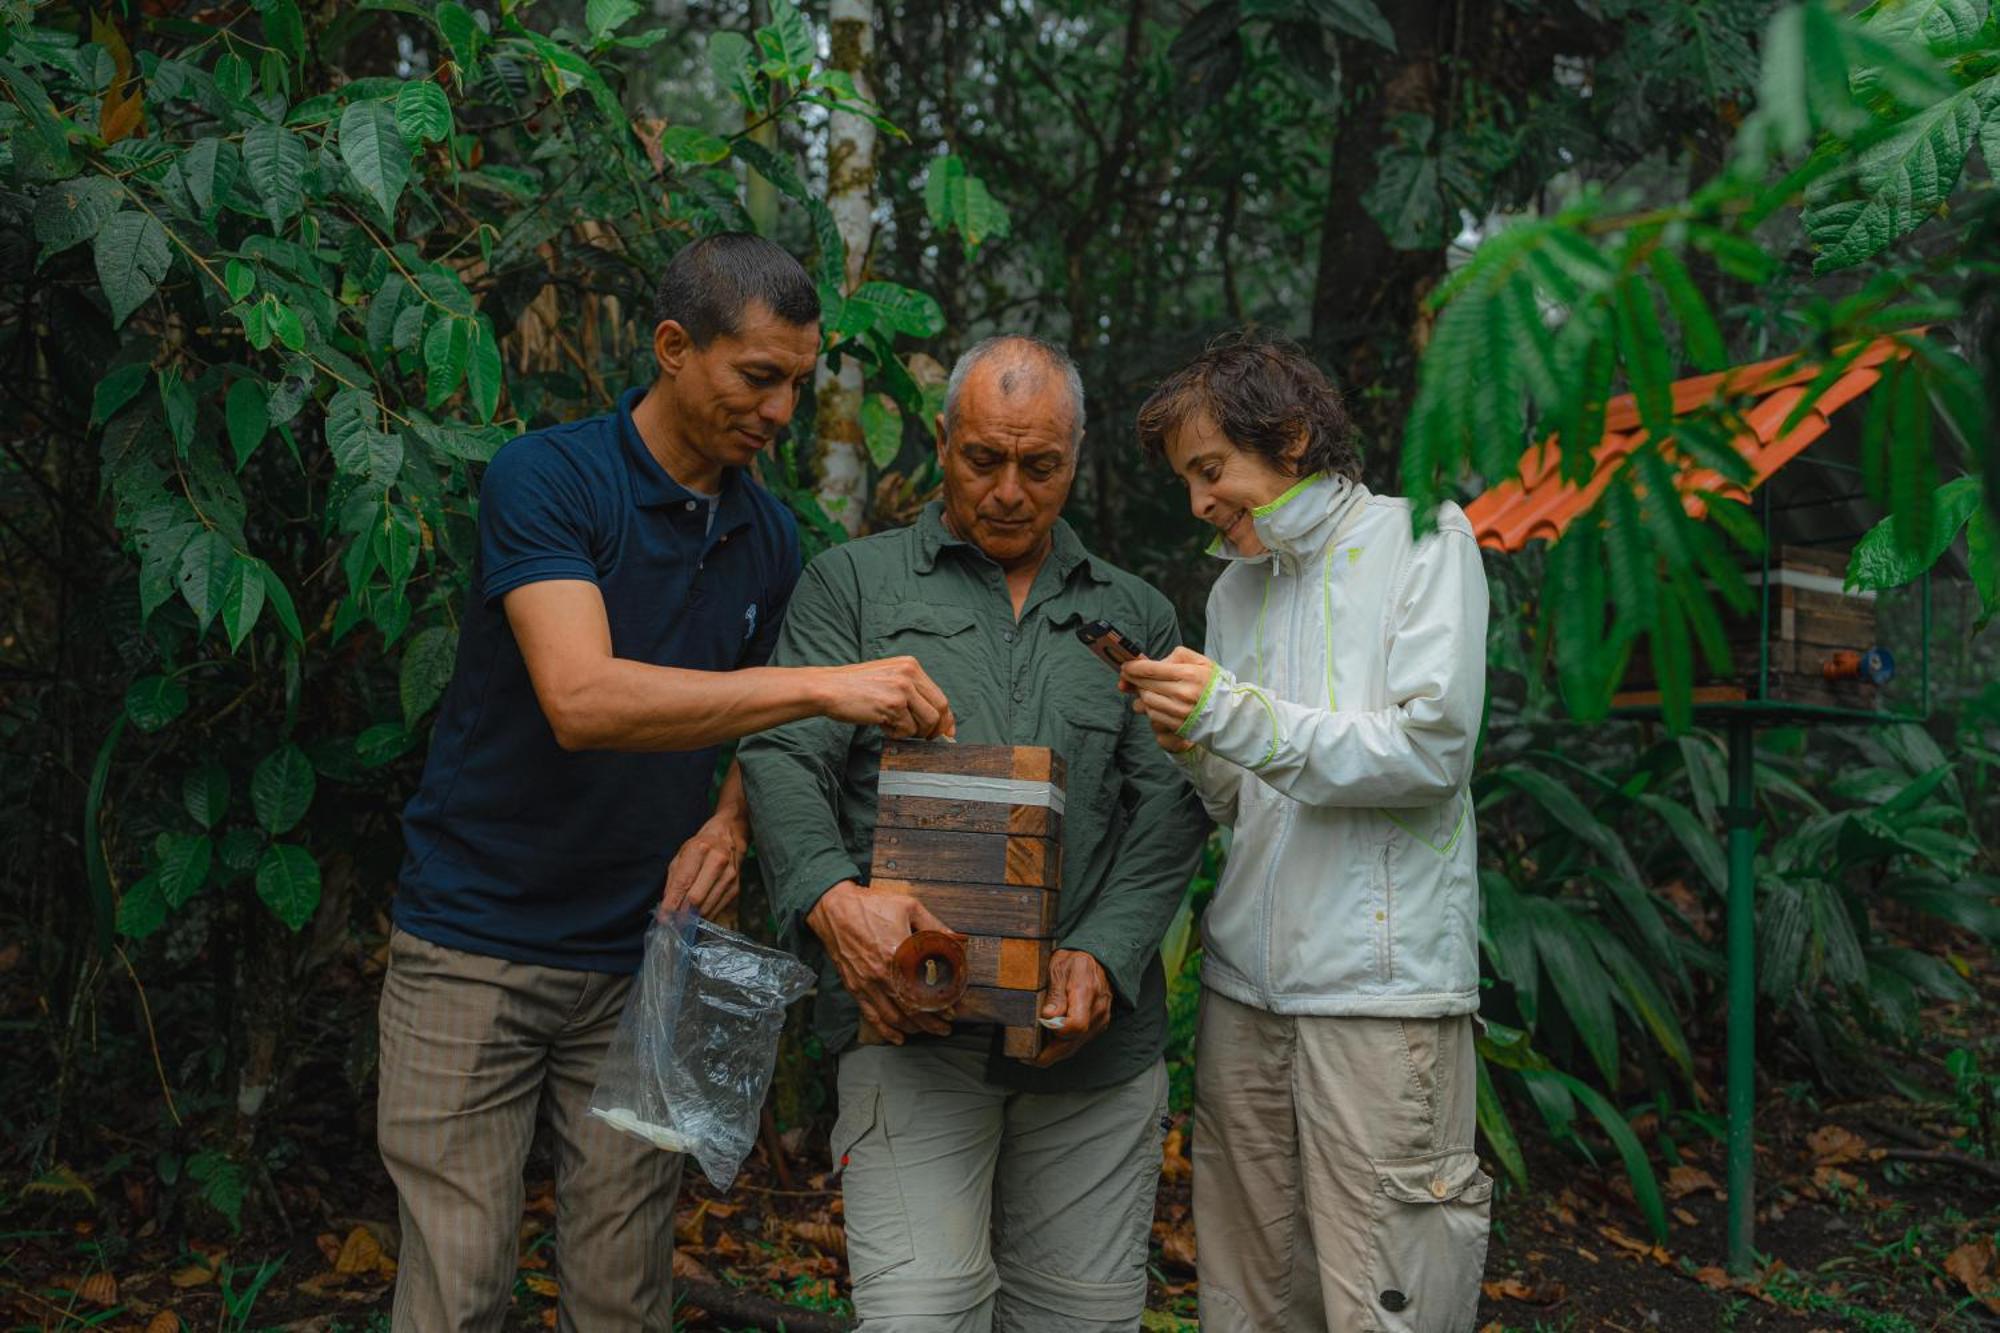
972 1207
1335 1185
472 1049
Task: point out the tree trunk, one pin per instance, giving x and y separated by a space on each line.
1368 321
842 471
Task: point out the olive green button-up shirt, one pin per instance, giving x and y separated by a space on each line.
1132 828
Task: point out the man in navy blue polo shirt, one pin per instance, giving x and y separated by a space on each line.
628 588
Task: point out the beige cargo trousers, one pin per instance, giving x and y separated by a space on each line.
1335 1184
972 1207
473 1050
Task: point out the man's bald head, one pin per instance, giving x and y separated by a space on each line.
1013 365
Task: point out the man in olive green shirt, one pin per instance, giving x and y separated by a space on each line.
980 1189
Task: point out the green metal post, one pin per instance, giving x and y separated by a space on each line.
1742 820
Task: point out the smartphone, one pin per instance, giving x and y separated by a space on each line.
1113 647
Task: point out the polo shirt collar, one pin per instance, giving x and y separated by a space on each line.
653 487
1067 554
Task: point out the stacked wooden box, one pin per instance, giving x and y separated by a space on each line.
1811 620
974 832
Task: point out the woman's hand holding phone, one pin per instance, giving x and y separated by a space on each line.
1166 690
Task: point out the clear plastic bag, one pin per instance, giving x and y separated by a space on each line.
692 1057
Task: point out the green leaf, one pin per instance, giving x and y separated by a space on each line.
1944 27
205 794
1880 561
1356 18
281 789
690 147
70 212
882 428
225 1184
118 387
446 347
900 309
284 30
280 598
423 113
242 601
1499 1130
1699 333
274 162
177 404
383 743
371 144
1580 981
397 538
955 198
483 370
426 670
788 39
154 701
240 280
132 256
461 33
247 411
288 883
1702 847
1982 543
605 17
1638 1170
729 62
42 153
181 862
142 909
203 577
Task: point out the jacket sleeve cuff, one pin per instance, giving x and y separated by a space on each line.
1126 973
1234 721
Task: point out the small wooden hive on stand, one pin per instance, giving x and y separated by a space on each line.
974 832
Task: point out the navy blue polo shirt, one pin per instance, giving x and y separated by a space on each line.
518 848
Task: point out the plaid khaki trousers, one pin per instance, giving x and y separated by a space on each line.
473 1049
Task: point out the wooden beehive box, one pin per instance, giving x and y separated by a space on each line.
974 832
1814 632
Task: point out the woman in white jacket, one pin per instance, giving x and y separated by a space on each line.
1332 724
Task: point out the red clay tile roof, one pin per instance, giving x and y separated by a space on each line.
1539 504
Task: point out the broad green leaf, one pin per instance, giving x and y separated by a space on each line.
788 38
142 909
280 598
205 793
1580 981
383 743
1499 1130
240 280
247 411
426 670
118 387
181 861
203 578
882 428
1880 561
284 30
729 62
1356 18
132 256
372 146
423 112
154 701
483 370
281 789
288 883
605 17
1638 1170
397 539
1982 547
899 309
446 347
1945 27
461 33
232 77
1701 845
42 152
70 212
178 406
955 198
274 162
242 601
688 146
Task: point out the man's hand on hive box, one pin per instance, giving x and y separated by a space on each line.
1079 995
705 873
894 694
861 929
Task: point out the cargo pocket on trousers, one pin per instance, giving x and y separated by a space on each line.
878 1225
1428 1248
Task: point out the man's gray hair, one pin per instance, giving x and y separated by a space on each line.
1022 351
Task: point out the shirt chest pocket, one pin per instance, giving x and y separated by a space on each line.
942 640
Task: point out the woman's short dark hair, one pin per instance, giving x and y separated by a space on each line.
1264 393
711 281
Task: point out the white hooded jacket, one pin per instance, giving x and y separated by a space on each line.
1336 738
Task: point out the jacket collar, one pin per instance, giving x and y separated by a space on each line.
1299 523
1066 556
